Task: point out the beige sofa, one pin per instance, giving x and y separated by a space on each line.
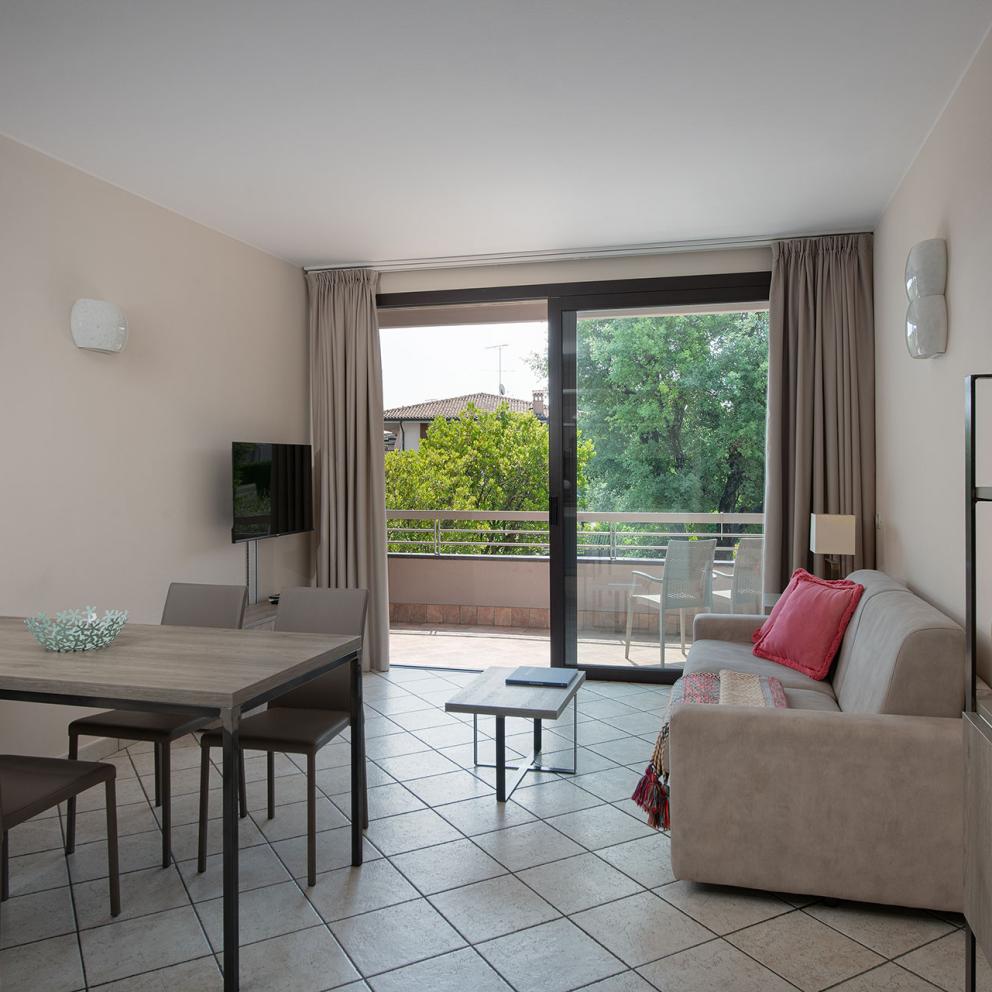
855 790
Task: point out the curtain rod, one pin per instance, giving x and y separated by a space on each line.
572 254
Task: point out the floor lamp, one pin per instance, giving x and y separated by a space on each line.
831 535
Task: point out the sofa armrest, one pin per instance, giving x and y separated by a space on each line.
726 626
843 805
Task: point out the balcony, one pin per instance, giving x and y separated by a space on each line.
470 589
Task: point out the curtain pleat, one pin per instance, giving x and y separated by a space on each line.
820 442
346 430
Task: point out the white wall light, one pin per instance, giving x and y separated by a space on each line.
926 280
98 325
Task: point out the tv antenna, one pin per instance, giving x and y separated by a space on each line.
499 351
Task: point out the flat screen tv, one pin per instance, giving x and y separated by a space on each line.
272 490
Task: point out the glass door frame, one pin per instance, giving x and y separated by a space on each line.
746 289
564 302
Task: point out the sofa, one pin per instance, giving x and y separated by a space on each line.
855 791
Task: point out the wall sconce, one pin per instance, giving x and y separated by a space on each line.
98 325
926 280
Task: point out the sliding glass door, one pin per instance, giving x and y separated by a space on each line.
657 473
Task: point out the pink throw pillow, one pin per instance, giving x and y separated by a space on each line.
806 627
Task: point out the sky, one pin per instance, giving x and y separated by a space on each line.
433 363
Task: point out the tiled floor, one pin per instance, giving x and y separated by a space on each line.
563 889
464 646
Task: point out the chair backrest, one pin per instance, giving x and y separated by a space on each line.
322 611
196 604
687 582
745 587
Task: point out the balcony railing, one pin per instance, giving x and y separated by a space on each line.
600 536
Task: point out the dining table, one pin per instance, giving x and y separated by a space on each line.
203 671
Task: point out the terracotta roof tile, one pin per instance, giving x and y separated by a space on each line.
452 407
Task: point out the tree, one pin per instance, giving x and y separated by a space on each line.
478 461
676 408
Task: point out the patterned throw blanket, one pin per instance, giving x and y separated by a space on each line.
728 689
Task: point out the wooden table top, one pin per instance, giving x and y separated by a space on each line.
489 695
181 666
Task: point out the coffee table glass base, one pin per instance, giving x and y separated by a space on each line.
532 763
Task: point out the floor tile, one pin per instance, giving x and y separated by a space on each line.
151 890
527 845
203 975
291 819
647 860
635 722
452 787
35 835
129 791
257 867
459 971
35 872
333 851
409 831
53 965
444 866
493 908
640 928
628 981
135 946
942 963
555 797
350 891
553 957
406 767
337 782
446 736
395 707
602 826
379 726
394 744
579 883
722 909
484 815
587 761
268 912
591 732
415 931
715 965
384 800
625 750
827 957
610 784
889 932
888 977
37 916
305 961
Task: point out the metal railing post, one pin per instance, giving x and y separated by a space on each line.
437 537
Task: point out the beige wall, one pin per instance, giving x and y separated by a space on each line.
116 468
947 193
635 267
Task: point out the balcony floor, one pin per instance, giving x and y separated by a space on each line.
462 646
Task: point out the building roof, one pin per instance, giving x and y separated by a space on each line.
452 407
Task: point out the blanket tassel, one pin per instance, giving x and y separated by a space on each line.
651 795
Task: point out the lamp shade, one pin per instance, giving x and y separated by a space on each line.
831 534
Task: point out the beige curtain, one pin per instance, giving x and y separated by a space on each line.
820 450
346 428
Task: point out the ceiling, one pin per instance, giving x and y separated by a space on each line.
326 131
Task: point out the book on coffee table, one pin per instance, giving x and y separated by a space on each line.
554 678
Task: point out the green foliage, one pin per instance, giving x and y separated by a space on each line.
676 407
479 461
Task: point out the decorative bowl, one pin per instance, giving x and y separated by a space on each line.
76 630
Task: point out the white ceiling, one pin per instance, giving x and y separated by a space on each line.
326 131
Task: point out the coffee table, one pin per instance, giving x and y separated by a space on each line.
489 695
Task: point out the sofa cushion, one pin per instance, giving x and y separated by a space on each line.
808 630
711 656
900 655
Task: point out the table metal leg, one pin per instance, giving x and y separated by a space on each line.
232 759
357 757
537 741
500 759
970 963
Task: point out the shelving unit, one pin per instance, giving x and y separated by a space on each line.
977 725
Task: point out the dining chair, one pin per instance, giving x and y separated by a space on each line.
29 786
304 720
188 604
686 584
